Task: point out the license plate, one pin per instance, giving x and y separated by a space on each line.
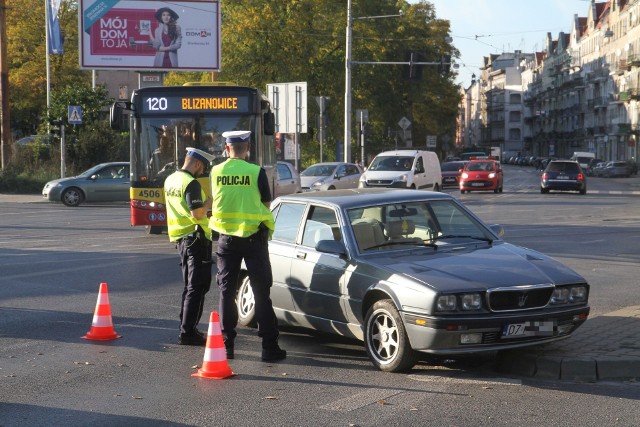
563 177
449 180
528 329
477 184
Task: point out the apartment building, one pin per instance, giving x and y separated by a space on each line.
581 93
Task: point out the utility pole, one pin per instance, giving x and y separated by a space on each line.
5 123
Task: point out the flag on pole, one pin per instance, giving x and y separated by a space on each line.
55 37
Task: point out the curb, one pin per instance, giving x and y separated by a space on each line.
604 348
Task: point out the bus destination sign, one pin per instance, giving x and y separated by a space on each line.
193 104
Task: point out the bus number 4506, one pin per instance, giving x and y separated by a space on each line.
149 193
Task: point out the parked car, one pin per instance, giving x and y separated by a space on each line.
592 164
106 182
287 180
482 175
451 172
32 139
330 176
598 169
399 270
563 175
617 168
414 169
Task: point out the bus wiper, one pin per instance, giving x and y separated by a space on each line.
462 236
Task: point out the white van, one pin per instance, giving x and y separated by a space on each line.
403 169
583 158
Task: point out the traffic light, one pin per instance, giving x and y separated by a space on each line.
445 64
413 71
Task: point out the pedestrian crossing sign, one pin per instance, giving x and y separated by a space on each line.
75 115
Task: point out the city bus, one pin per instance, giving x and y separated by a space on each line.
165 120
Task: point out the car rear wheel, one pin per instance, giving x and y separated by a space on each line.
72 196
386 338
544 190
246 303
436 187
583 191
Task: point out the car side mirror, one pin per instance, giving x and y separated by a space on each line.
331 247
497 229
93 177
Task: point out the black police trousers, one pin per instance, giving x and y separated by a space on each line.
195 260
255 252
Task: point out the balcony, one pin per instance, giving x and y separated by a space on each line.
634 94
633 61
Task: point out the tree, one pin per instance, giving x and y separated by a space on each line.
27 60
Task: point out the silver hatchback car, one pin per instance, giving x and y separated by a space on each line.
409 272
330 176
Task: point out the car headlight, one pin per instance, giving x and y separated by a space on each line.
471 302
446 303
401 178
578 294
492 175
318 183
464 175
560 296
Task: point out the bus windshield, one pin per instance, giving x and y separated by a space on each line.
162 142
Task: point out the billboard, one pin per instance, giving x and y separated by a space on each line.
147 35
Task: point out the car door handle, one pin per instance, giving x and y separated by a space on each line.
301 255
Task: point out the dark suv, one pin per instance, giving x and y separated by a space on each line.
563 175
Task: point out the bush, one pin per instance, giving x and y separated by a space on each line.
33 165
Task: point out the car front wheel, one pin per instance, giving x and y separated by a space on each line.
386 338
72 197
246 303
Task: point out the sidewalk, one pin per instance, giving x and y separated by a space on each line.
22 198
604 348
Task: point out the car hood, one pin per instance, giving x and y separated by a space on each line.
477 266
383 174
306 181
62 180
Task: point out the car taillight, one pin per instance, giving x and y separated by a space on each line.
580 177
545 176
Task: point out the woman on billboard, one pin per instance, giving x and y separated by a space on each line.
166 39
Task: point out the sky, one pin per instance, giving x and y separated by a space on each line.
482 27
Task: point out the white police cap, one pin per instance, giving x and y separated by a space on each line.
203 156
236 136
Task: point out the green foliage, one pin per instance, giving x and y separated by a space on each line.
263 41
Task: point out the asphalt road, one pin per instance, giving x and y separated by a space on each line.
54 258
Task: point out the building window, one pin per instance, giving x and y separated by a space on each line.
514 134
514 116
515 98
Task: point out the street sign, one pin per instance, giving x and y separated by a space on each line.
289 104
432 141
404 123
362 116
75 115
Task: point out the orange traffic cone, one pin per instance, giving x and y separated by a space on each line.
102 327
215 363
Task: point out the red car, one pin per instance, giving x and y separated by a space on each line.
481 175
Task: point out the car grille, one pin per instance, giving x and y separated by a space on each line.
379 182
520 297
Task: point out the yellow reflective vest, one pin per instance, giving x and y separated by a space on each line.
180 222
237 208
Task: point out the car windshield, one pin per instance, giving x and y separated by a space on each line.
391 163
399 226
566 167
449 167
480 166
318 170
91 171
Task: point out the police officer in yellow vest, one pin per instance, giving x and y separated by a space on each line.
240 213
187 223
